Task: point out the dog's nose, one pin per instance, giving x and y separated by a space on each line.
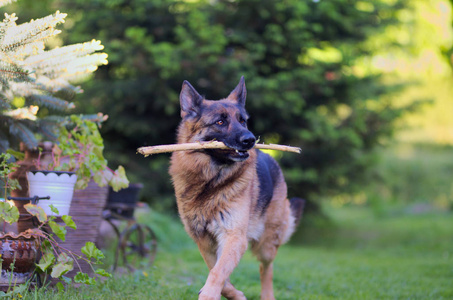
247 140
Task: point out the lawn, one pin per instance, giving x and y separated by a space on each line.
360 255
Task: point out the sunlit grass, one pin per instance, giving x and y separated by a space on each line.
397 244
364 256
407 177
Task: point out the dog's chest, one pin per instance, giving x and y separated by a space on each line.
215 220
213 200
217 227
208 216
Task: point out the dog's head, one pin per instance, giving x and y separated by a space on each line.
222 120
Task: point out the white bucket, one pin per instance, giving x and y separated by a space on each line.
58 185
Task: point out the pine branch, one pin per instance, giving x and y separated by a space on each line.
4 103
32 31
58 86
23 89
50 102
27 50
21 130
37 94
8 22
17 50
5 2
9 71
47 129
41 77
27 112
4 143
63 55
74 67
9 75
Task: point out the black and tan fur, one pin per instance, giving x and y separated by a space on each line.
229 198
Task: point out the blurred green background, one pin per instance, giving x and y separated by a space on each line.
363 87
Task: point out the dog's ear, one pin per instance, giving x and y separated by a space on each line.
239 93
190 100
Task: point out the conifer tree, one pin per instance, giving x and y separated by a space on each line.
32 77
307 83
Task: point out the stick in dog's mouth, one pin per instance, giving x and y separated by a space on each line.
150 150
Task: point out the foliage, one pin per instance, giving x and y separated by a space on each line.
8 212
300 60
427 32
414 175
32 77
80 149
56 260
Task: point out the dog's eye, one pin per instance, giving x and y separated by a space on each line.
220 122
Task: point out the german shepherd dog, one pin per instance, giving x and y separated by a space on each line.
228 198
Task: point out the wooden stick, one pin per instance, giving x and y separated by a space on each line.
150 150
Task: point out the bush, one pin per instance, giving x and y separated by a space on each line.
300 60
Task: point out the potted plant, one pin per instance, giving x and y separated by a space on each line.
19 252
75 159
79 148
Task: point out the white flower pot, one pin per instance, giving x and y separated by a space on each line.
58 185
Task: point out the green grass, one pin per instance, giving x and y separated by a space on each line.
360 256
411 174
398 244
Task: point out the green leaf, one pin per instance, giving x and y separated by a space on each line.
91 251
82 182
103 177
59 230
64 265
65 258
14 184
80 277
36 211
46 246
9 212
60 269
84 278
54 209
119 180
69 222
60 286
46 261
18 155
103 272
16 292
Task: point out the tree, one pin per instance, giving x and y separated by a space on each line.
302 60
32 78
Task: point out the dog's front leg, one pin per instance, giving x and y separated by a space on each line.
229 252
209 254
